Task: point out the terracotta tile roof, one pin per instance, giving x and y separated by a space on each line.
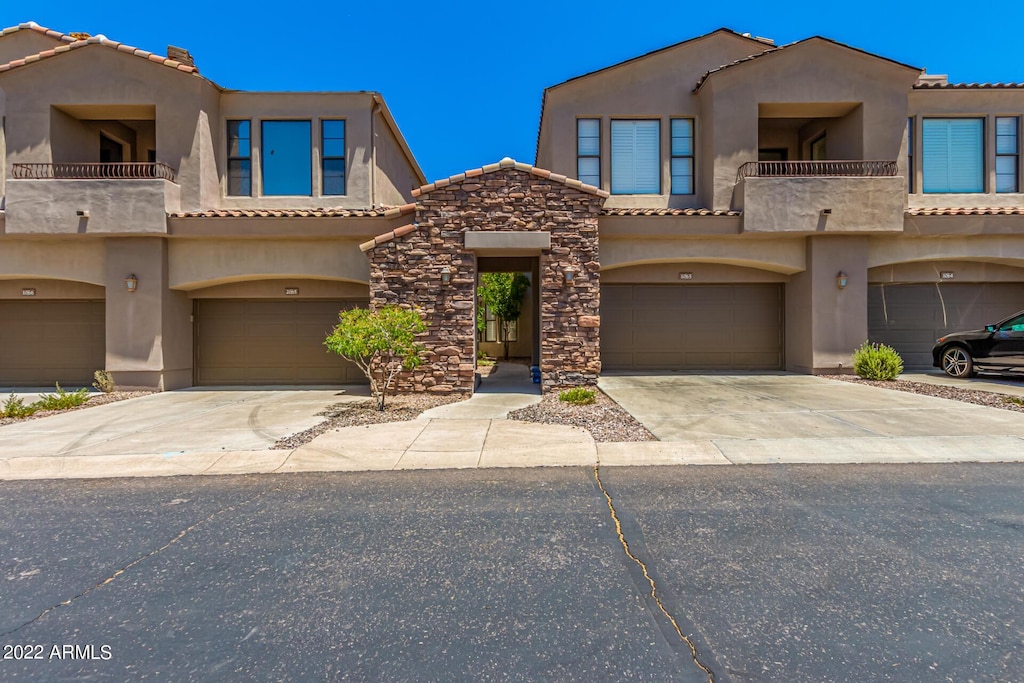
968 86
72 43
383 212
976 211
388 236
33 26
669 212
773 50
509 163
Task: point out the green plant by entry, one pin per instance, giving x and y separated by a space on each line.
578 396
1015 400
62 399
103 381
381 343
503 294
14 406
876 361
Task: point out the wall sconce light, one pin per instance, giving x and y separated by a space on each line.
446 275
570 275
131 283
842 280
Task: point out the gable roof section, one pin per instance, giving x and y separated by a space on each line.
761 43
510 163
790 46
71 43
388 236
42 30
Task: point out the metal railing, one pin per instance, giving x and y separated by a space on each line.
132 170
812 169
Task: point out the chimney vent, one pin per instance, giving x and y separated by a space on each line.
180 54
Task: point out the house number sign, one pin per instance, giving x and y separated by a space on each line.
685 276
291 291
946 275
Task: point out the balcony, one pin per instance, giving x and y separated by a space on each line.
93 171
820 196
95 198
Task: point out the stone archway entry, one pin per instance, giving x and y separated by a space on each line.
503 210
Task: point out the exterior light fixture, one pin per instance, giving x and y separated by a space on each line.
131 283
842 280
570 275
446 275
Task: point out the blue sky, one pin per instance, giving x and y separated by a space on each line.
464 80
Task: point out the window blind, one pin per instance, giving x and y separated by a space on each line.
636 157
953 151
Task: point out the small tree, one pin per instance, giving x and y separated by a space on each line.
381 343
503 294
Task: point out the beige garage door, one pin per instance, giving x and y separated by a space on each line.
269 342
43 342
691 327
911 317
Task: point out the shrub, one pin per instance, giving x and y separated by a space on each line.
381 343
103 381
578 396
62 399
877 362
15 407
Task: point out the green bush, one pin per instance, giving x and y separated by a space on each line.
104 381
15 407
578 396
62 399
877 362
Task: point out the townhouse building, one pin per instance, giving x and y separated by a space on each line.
720 204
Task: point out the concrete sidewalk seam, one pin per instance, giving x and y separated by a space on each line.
405 451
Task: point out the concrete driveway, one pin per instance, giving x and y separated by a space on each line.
173 422
747 416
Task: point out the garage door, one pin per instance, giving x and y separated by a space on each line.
691 327
911 317
43 342
269 342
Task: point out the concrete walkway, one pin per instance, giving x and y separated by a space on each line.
716 420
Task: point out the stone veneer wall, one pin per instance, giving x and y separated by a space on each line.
407 271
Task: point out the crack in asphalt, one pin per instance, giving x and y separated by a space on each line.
654 587
133 563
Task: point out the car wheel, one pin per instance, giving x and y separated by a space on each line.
956 362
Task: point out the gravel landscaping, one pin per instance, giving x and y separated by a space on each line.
396 409
981 398
604 419
94 400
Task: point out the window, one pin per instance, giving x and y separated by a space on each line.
239 159
287 158
332 151
494 331
636 157
682 156
1007 153
910 155
588 151
818 151
952 151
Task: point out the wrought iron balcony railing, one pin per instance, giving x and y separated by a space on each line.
817 169
133 170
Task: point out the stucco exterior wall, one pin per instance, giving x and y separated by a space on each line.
99 77
931 271
701 273
354 108
50 289
778 255
23 43
974 103
78 260
196 263
395 177
654 86
796 204
113 206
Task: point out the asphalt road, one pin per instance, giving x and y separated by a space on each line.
798 573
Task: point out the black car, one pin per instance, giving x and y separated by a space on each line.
997 348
